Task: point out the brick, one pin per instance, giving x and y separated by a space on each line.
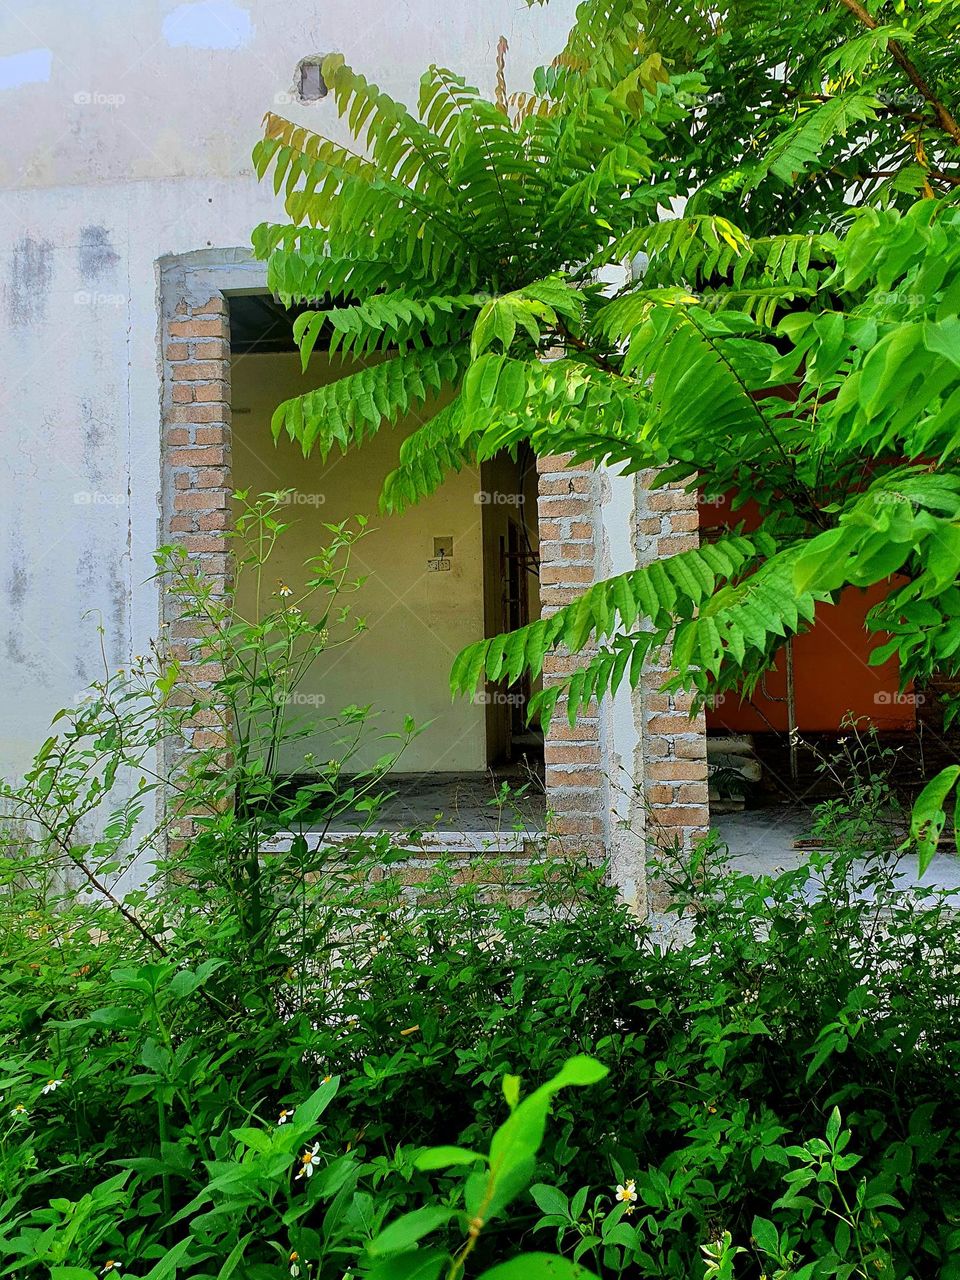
572 753
218 391
685 521
193 501
669 500
566 776
195 456
211 435
214 520
569 826
584 731
564 573
198 327
177 351
551 508
211 477
669 546
182 392
570 482
555 462
211 347
196 413
203 542
678 816
693 793
676 771
182 524
690 747
197 371
175 436
216 306
667 722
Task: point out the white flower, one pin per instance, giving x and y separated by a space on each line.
294 1261
110 1267
627 1192
285 1114
284 591
19 1110
51 1085
309 1161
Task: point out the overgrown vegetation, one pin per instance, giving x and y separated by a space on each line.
653 258
283 1064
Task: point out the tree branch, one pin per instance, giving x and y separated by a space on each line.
946 120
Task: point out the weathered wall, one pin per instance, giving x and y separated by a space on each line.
128 126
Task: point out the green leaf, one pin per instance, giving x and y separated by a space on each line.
538 1266
928 818
419 1264
445 1158
408 1229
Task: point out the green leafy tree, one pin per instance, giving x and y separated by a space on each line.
763 335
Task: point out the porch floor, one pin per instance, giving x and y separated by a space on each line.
763 841
458 802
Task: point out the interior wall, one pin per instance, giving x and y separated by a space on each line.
417 618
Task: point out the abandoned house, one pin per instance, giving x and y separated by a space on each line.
143 356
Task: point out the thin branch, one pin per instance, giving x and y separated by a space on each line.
944 117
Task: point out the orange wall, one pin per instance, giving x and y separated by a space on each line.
831 674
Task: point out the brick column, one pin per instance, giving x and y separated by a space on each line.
568 510
674 744
195 486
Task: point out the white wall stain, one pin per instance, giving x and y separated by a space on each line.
208 24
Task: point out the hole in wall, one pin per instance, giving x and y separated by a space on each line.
308 82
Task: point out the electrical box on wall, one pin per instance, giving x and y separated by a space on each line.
442 555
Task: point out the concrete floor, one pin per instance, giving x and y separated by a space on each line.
762 841
459 802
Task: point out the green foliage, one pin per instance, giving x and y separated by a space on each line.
273 1060
786 334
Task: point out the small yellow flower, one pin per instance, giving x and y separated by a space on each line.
284 591
285 1114
19 1110
51 1085
326 1079
309 1161
628 1210
110 1267
627 1192
294 1261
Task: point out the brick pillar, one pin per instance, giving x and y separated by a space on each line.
568 510
195 486
674 744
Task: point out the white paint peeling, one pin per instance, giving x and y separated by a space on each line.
208 24
32 66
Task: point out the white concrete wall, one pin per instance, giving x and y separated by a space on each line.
128 126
